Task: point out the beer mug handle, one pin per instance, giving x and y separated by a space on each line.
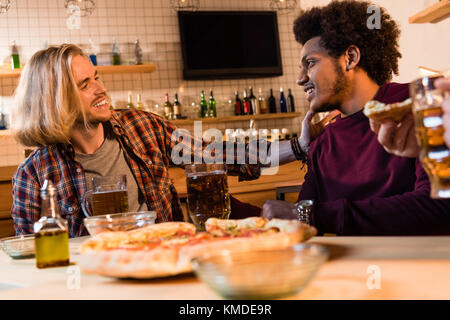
85 204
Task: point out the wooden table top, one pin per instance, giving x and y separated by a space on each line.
404 267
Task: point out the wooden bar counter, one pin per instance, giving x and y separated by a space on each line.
406 267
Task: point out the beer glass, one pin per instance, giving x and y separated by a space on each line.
108 195
434 154
207 188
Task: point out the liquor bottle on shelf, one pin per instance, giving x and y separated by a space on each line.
253 102
15 60
238 110
262 102
138 52
176 108
115 54
203 106
51 232
139 104
168 108
212 111
272 103
92 52
130 104
246 103
283 104
290 102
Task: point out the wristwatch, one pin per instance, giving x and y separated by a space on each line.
304 208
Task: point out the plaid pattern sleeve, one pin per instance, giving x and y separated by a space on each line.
56 164
25 209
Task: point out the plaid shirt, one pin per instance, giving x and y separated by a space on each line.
147 144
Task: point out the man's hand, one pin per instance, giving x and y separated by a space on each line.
444 84
310 131
279 209
397 138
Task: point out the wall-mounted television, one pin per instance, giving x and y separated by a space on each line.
229 44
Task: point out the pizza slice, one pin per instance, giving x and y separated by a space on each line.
166 249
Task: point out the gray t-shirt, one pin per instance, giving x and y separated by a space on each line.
109 160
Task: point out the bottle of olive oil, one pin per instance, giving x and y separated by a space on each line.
51 235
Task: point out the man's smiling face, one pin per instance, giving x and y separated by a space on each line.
322 77
95 101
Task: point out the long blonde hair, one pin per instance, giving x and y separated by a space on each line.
46 101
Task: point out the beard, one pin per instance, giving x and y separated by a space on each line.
339 89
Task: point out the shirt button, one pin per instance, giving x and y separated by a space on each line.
70 209
78 170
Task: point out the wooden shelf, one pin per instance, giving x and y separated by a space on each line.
268 116
7 73
433 14
138 68
143 68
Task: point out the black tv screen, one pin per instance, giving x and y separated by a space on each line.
229 44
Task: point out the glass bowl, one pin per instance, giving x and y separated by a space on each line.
119 221
18 247
267 274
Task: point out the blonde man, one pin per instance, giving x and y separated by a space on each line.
63 109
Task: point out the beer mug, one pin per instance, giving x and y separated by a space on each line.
434 154
207 188
108 195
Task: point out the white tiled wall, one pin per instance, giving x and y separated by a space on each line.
32 23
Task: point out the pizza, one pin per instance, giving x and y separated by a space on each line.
167 248
378 111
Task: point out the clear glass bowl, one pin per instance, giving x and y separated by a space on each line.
119 221
18 247
267 274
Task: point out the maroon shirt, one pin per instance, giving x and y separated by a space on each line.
360 189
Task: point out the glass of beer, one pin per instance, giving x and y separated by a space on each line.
434 154
207 188
108 195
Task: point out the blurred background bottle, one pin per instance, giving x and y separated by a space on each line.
272 103
139 104
168 108
290 102
92 52
15 60
212 111
115 54
262 102
203 105
138 52
252 99
176 107
3 123
283 104
238 110
130 104
246 103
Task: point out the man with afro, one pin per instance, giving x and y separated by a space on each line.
358 188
